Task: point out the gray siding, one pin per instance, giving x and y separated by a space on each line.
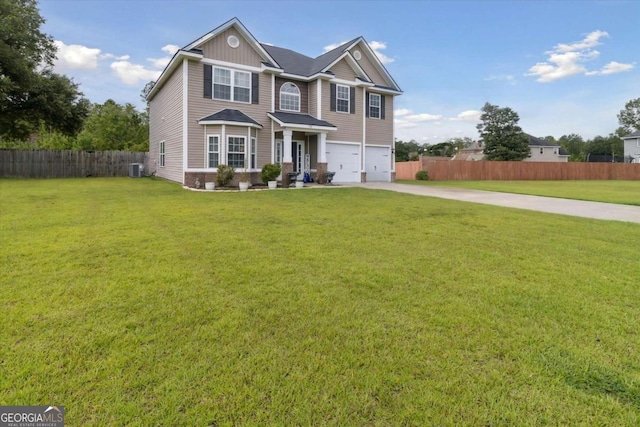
200 107
165 124
632 147
219 49
380 132
546 156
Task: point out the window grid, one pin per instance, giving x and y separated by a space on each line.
289 97
342 98
235 152
253 154
374 106
162 153
231 84
213 151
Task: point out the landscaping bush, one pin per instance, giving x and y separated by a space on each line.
225 174
270 172
422 176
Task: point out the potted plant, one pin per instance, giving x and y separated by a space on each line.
244 179
209 185
270 173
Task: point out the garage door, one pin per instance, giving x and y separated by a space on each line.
378 164
344 160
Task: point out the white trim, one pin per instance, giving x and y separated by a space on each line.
223 144
385 91
235 152
232 85
308 78
352 63
273 92
226 122
379 145
224 64
364 128
185 117
344 82
162 154
206 148
343 142
368 113
168 70
319 99
349 100
374 59
291 94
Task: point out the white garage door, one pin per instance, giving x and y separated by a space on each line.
344 160
378 164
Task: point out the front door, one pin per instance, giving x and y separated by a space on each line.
297 154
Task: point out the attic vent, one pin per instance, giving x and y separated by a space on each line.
357 55
233 41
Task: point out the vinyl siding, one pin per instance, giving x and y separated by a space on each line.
312 105
349 125
303 87
547 156
366 63
165 124
217 48
342 70
380 132
632 147
200 107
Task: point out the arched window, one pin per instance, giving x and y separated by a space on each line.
289 97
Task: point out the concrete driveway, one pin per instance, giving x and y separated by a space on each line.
597 210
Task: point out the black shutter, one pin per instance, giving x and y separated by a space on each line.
382 97
352 100
332 103
366 113
208 81
254 88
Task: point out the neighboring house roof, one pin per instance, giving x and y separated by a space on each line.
538 142
563 152
228 116
300 120
635 134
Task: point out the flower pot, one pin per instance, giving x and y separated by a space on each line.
272 185
299 184
210 185
244 186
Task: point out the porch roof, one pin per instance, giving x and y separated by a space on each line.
229 116
302 121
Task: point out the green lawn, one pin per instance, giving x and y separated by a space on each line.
622 192
135 302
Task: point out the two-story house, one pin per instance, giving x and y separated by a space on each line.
632 147
225 98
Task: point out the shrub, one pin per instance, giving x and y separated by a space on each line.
225 174
422 176
270 172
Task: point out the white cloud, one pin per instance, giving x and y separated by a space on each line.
402 112
374 45
468 116
611 68
75 57
404 124
566 60
133 74
332 46
159 62
424 117
170 48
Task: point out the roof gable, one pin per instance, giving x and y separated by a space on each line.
375 61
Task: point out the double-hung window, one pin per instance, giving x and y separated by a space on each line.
253 152
231 85
374 105
236 151
213 151
162 153
342 98
289 97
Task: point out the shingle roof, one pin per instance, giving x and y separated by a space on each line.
537 142
228 115
635 134
302 65
563 152
300 119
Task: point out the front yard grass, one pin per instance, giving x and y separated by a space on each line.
133 301
621 192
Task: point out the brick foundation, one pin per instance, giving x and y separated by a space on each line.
321 173
190 179
286 168
393 176
363 177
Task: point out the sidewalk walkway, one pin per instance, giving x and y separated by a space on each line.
597 210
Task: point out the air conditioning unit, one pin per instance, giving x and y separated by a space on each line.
135 170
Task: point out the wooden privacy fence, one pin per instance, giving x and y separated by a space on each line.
66 163
486 170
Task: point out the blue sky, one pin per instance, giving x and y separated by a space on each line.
564 67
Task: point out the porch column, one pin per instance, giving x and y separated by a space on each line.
321 166
287 158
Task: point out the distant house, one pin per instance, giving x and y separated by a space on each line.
541 151
632 147
545 151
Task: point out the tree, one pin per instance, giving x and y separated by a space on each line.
406 151
30 93
111 126
503 138
629 118
610 145
575 146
